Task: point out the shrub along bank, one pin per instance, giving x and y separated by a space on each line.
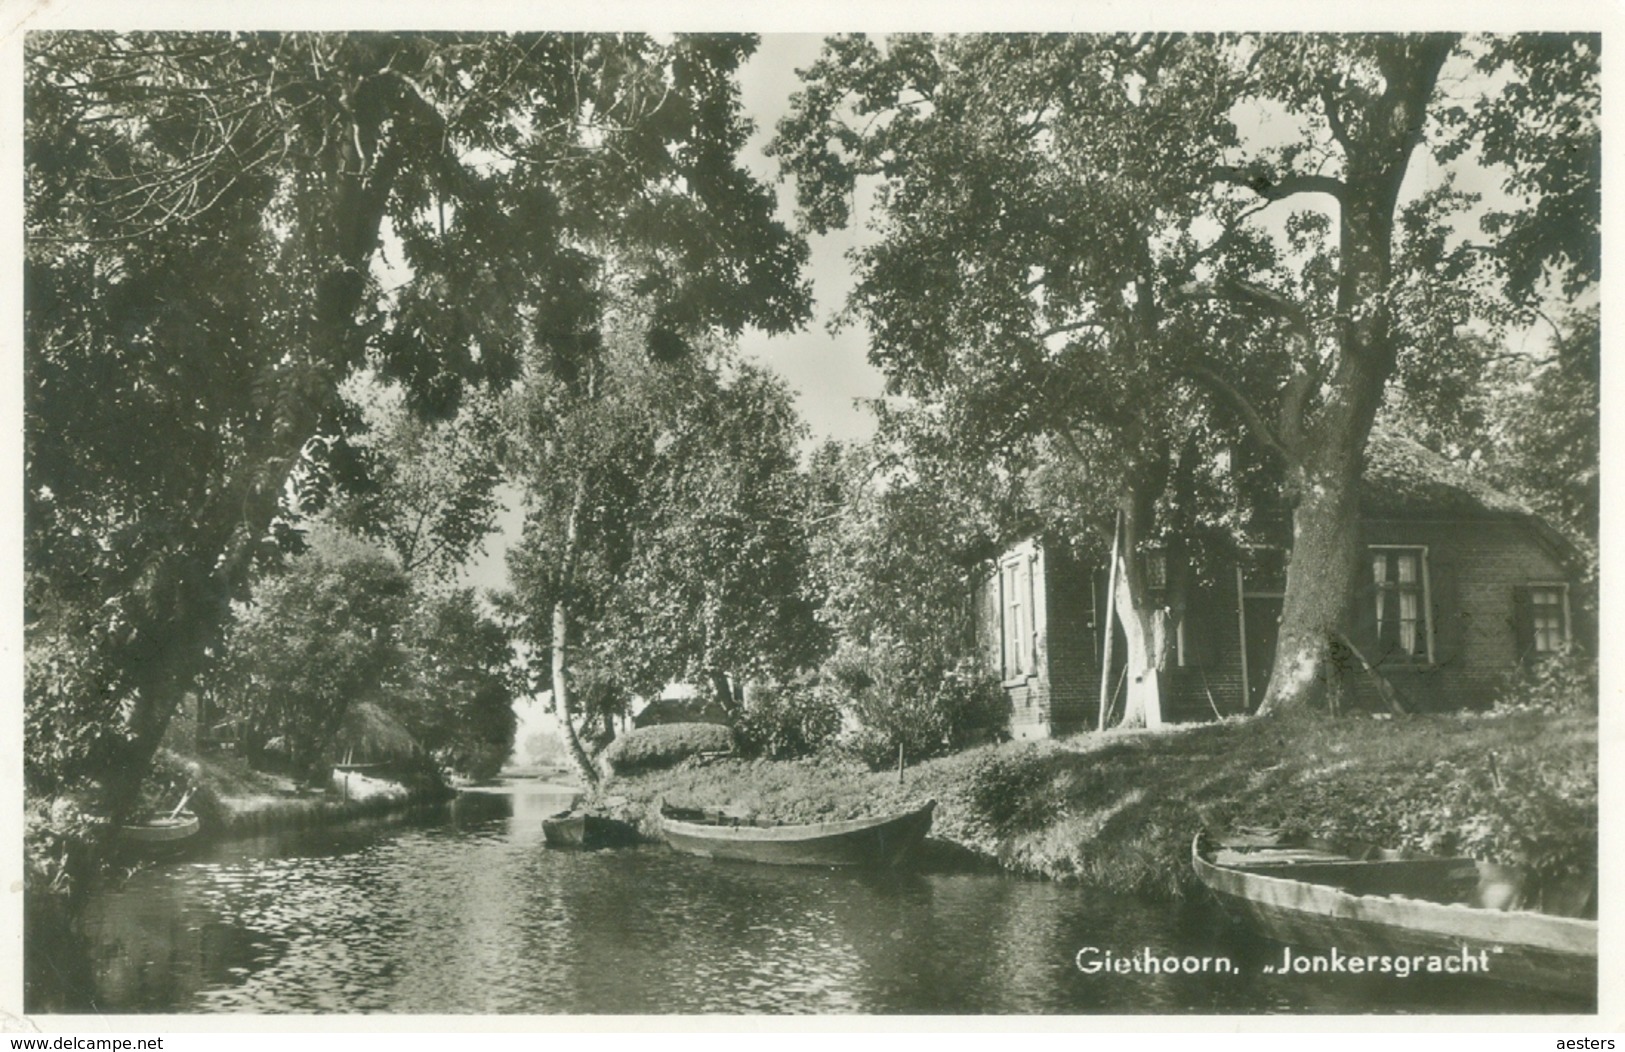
1118 810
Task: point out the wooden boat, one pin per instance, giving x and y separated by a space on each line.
583 829
1390 904
884 841
159 830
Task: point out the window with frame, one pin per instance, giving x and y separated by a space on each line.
1543 627
1017 623
1400 602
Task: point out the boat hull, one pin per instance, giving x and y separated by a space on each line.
883 842
576 829
1556 954
159 834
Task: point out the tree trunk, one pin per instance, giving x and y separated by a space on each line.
563 704
1107 644
560 632
1327 450
1145 629
1320 586
194 593
1144 620
723 692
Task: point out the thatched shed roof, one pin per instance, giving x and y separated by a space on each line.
368 734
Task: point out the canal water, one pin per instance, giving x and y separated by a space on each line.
464 909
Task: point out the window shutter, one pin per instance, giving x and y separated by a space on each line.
1363 628
1523 622
1447 616
1032 614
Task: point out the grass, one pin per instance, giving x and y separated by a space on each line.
1118 810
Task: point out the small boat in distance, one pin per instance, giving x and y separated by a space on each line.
583 829
1389 904
882 842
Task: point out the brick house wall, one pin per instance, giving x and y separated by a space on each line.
1474 574
1477 571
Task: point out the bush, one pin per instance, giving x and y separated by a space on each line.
1523 810
786 720
897 701
1018 790
650 748
60 839
1562 682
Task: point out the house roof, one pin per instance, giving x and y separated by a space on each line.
1405 479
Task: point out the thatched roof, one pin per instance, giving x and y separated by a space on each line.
1405 479
368 733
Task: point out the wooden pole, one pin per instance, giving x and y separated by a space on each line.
188 795
899 763
1111 612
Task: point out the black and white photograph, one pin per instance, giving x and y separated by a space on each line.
545 519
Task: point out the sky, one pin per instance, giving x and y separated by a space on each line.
828 371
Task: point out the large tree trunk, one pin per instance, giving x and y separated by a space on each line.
1326 446
1144 619
1145 629
1320 586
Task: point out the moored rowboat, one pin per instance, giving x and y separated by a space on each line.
883 841
159 828
586 830
1388 904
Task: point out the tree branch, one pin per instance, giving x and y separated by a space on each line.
1072 327
1263 296
1305 380
1243 405
1295 398
1270 189
1334 117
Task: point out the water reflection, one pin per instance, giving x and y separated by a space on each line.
466 910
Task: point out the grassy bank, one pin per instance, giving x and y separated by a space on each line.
1118 810
232 799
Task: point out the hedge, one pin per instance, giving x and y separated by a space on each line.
649 748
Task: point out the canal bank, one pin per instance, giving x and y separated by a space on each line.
231 799
1116 811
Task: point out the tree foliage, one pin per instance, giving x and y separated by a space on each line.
674 492
901 540
716 588
459 684
316 639
428 491
1546 440
1078 233
1037 206
205 216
